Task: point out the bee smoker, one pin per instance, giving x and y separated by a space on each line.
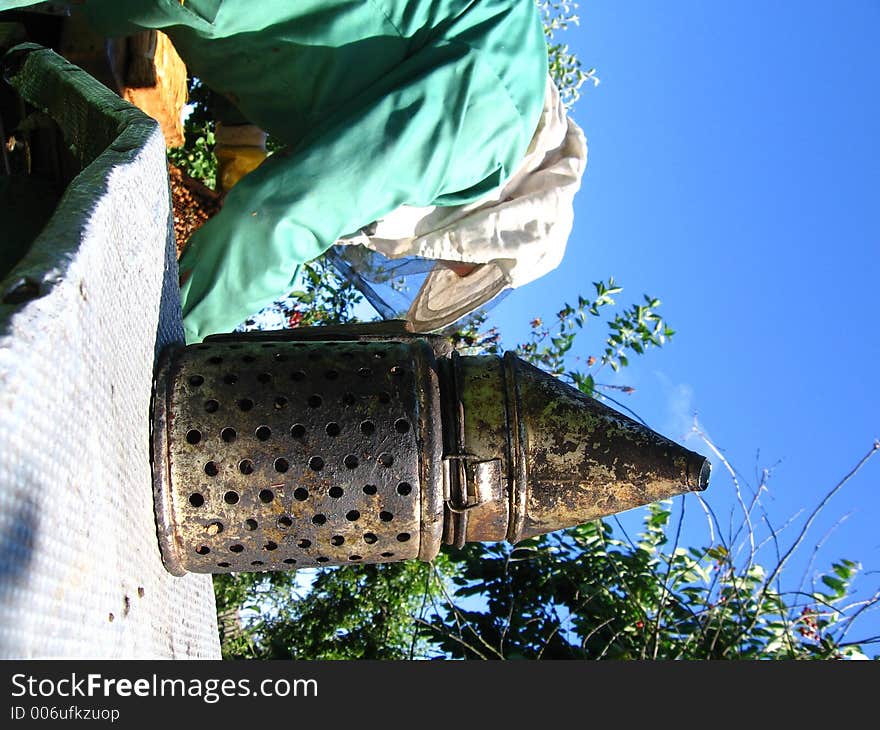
332 446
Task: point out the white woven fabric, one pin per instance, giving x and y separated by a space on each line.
80 570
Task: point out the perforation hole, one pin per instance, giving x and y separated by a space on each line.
370 489
396 371
336 492
348 399
264 378
401 425
245 404
370 538
215 360
316 463
297 375
304 544
365 372
386 516
196 380
300 494
378 355
266 496
270 546
267 345
236 548
322 559
203 549
214 528
250 525
319 519
314 355
404 488
337 540
280 357
386 459
203 347
228 434
289 561
332 429
256 563
284 522
297 430
387 555
211 469
280 402
281 464
314 401
211 406
368 428
248 358
354 557
351 461
246 466
402 537
196 499
331 375
230 378
231 497
193 436
223 564
352 515
384 398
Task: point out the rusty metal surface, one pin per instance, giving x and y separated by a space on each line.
585 460
430 448
454 487
485 435
537 455
274 454
159 448
289 454
518 445
392 330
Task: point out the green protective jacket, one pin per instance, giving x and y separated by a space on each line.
381 103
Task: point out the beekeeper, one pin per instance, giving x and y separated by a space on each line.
402 112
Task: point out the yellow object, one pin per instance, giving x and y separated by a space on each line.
236 161
240 148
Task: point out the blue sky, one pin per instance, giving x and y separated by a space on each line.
733 172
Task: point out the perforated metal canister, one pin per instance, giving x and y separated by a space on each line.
280 455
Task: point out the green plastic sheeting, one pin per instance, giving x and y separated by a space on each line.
419 102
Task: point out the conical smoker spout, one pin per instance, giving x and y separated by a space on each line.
561 457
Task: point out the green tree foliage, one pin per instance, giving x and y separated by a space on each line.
351 612
586 593
564 66
326 298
